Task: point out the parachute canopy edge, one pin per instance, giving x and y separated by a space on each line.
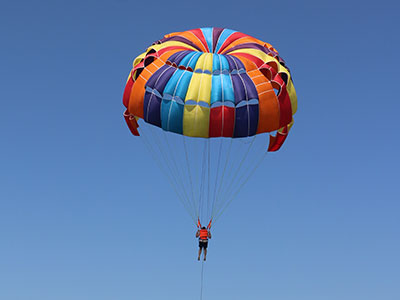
132 123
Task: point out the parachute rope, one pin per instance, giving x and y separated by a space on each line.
243 178
209 195
240 187
203 180
209 169
235 174
162 168
180 177
165 168
201 280
216 178
190 174
222 178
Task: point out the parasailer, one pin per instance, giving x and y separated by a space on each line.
203 234
212 92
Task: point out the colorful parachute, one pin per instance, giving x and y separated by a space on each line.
210 83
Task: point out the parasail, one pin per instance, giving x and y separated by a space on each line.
203 98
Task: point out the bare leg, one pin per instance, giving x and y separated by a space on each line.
205 253
199 254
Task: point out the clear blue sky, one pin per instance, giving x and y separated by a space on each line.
85 214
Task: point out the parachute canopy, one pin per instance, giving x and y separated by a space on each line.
215 93
211 82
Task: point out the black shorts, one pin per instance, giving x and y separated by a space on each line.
203 244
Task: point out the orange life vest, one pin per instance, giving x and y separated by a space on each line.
203 234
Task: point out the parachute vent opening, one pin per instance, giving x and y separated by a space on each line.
151 51
284 77
273 65
267 73
148 60
137 73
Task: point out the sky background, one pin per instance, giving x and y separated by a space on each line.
85 214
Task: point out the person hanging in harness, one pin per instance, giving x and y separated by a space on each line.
203 234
